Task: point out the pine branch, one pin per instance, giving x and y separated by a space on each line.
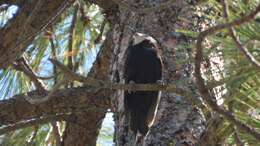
23 66
96 85
208 97
29 123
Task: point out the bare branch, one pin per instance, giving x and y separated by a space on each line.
244 50
53 53
46 78
95 84
71 38
232 33
237 138
3 8
99 37
23 66
29 123
10 51
233 23
18 109
38 100
34 134
29 20
56 133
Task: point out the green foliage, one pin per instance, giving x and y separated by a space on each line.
53 43
234 78
230 75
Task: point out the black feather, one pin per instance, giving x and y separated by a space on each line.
143 65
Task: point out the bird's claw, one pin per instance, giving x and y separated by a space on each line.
129 91
160 82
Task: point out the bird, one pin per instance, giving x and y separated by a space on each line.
143 65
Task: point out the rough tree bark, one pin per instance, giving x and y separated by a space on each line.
32 17
84 128
177 121
83 122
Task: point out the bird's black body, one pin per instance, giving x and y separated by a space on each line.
143 65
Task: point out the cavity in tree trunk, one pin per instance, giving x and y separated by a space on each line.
177 121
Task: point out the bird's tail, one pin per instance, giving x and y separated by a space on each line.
134 118
138 122
142 123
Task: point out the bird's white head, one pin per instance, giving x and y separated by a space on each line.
139 37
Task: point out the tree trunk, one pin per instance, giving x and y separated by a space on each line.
21 30
83 128
177 121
